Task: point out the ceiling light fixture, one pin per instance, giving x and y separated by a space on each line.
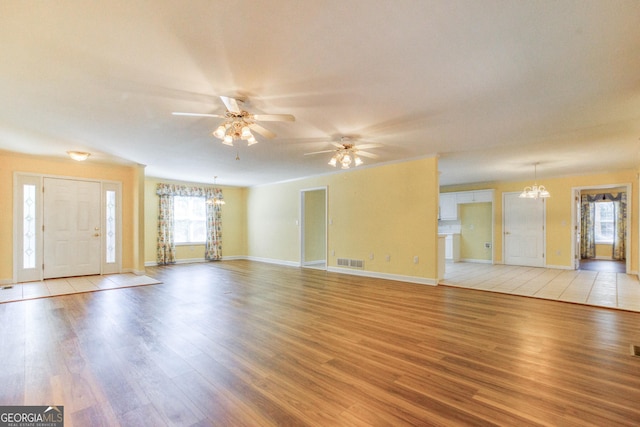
536 191
217 199
236 126
346 157
80 156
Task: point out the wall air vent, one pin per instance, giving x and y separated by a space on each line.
351 263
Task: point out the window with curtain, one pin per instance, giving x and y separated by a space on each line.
188 216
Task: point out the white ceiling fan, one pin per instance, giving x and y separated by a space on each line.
239 123
347 153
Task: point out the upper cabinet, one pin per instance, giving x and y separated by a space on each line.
448 206
474 196
449 201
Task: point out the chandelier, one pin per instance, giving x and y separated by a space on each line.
346 156
235 127
535 191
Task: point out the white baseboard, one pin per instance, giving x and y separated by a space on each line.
560 267
274 261
396 277
477 261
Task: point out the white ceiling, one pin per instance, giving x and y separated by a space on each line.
491 86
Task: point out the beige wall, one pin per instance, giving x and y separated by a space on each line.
62 167
558 212
234 238
386 210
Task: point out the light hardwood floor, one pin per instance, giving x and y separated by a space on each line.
239 343
603 289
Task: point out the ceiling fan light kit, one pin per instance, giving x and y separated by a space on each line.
346 157
239 123
347 153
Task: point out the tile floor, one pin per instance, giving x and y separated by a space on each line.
613 290
71 285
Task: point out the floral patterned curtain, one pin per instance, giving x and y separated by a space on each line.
213 248
587 232
166 246
620 226
166 249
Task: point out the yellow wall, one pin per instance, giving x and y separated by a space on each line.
558 212
386 210
62 167
234 239
475 221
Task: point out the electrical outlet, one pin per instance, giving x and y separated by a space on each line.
416 259
371 256
387 258
487 245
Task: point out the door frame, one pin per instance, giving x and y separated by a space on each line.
302 233
575 222
20 274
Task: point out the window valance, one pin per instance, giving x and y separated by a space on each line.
188 191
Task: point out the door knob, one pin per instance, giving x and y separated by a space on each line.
96 235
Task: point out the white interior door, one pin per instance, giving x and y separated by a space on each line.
71 233
523 231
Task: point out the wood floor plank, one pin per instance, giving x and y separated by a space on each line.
251 344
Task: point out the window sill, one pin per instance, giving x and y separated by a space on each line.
190 244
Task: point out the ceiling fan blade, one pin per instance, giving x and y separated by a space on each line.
320 152
337 144
365 146
366 154
231 104
262 131
179 113
274 117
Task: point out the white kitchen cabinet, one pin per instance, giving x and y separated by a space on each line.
448 206
452 247
478 196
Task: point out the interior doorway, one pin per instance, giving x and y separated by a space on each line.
601 228
313 228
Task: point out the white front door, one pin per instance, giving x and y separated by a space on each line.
523 231
72 232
